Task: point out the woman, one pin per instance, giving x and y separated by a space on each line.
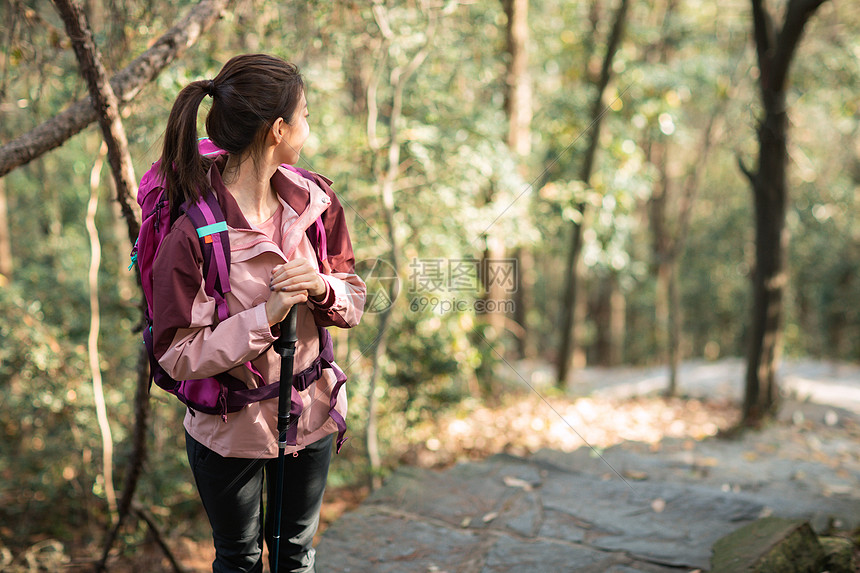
289 245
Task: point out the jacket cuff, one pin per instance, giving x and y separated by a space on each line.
267 333
328 301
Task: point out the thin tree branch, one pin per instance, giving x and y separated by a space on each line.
381 17
763 35
602 83
126 84
159 537
372 101
138 454
797 15
11 21
746 171
6 263
571 283
92 341
398 78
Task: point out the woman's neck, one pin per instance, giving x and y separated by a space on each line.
252 188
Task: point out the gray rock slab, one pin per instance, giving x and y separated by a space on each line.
470 495
368 540
509 554
529 507
374 540
789 486
660 522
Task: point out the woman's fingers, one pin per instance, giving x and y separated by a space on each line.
297 275
294 268
279 304
303 283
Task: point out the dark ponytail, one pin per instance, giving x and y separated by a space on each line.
182 166
249 93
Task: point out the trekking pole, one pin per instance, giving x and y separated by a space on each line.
285 345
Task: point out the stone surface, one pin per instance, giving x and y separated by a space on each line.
634 508
509 554
666 523
369 540
784 484
570 512
532 511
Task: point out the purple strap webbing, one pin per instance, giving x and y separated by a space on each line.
323 246
308 376
221 268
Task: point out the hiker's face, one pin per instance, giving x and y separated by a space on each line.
295 133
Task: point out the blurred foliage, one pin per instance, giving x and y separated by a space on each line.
457 179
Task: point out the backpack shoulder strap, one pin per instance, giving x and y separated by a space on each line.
211 226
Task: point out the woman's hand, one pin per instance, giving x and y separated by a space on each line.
292 283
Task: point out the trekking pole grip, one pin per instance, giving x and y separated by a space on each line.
285 345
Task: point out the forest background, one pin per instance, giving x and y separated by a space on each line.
539 182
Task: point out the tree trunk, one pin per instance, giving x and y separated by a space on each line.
661 311
769 277
494 293
668 315
608 311
617 324
571 285
6 265
138 455
775 50
103 100
675 327
522 298
660 243
518 92
567 345
380 346
666 246
518 107
668 239
601 311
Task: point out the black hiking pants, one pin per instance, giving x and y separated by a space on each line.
232 493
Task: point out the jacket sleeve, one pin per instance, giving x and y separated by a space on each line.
343 304
189 341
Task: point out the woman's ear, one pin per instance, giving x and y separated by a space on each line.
279 130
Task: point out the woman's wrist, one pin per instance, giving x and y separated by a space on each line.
319 297
321 292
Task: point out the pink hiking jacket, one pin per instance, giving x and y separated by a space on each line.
191 343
